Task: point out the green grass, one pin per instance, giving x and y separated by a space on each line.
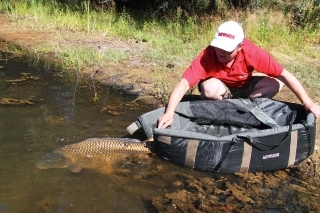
165 39
176 40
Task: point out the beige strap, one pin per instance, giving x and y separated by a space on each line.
246 157
293 148
132 128
164 139
191 153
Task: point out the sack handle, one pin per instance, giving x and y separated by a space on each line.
224 155
259 113
307 127
253 141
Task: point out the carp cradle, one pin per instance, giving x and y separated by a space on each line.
233 135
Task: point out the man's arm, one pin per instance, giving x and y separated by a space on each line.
178 92
295 86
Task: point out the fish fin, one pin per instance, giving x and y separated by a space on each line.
76 168
106 169
151 139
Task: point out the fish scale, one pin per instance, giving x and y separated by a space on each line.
93 153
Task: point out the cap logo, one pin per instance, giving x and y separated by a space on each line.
227 35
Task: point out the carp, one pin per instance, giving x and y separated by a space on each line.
94 153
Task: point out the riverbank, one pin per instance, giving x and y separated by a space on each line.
135 74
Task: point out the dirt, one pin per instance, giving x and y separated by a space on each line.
279 191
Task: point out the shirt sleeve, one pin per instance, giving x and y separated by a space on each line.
263 62
197 70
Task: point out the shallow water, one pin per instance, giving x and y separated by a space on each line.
64 112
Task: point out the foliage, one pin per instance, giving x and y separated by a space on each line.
239 3
307 13
144 7
303 12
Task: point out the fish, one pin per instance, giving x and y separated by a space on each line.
94 153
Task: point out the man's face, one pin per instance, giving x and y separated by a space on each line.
224 56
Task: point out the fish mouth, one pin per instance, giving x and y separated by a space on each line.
52 160
40 165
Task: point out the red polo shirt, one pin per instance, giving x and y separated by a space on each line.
248 59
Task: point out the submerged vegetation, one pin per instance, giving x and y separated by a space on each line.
174 31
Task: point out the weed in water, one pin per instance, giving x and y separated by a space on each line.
163 88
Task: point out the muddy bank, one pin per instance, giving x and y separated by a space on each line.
279 191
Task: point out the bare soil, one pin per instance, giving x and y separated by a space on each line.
262 192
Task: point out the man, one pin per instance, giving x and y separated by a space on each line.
224 70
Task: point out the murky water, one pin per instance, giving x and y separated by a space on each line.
63 113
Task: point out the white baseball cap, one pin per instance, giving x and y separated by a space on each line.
228 36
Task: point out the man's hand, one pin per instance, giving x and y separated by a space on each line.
165 120
314 108
296 87
178 92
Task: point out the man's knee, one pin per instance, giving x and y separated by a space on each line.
273 86
267 88
212 89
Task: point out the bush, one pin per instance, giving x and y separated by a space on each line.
307 13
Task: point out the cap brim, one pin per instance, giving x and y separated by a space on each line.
226 46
